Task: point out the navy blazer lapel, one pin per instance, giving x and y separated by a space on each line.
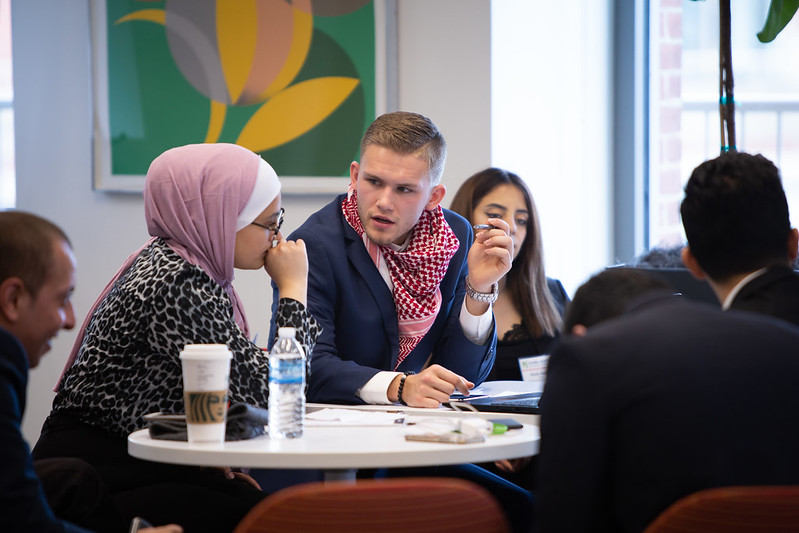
359 257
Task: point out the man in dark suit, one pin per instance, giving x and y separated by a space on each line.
739 235
37 277
388 281
669 398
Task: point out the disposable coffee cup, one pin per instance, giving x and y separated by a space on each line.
206 369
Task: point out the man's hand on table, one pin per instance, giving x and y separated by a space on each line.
429 388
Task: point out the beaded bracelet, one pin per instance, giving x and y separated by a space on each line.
402 385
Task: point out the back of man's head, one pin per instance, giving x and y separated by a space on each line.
26 247
409 133
735 215
608 294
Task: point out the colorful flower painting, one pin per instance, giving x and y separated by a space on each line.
293 80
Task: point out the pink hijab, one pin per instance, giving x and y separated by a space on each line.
193 198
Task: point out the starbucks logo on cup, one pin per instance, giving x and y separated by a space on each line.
206 407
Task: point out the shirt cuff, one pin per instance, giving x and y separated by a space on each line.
375 391
477 328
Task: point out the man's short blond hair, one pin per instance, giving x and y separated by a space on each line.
409 133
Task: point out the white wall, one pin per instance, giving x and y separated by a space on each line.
444 73
551 106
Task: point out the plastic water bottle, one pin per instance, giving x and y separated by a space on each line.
286 386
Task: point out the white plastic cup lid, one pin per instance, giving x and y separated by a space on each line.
206 351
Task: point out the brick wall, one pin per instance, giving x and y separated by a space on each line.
666 110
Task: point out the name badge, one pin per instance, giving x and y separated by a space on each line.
534 370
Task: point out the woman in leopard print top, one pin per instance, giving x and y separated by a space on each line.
128 363
209 208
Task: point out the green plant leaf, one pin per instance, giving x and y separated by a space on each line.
780 13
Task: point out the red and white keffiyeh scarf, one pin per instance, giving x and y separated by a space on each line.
416 272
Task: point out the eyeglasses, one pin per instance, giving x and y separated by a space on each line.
274 227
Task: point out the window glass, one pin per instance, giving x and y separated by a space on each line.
7 178
684 95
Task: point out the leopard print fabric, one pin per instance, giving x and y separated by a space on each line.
128 364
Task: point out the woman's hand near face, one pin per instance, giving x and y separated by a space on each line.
287 265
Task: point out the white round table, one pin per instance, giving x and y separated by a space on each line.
338 450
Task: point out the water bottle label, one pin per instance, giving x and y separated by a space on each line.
286 370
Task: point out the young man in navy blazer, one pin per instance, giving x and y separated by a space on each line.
740 238
402 288
388 281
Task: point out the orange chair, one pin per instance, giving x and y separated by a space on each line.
401 505
750 509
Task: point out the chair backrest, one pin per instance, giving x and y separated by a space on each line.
398 505
750 509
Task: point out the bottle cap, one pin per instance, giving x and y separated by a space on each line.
285 332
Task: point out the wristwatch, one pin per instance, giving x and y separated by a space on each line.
487 297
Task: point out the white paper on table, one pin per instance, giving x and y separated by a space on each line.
352 417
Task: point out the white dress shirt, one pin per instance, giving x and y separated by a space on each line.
476 328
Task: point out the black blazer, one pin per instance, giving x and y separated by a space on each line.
774 293
674 397
23 506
